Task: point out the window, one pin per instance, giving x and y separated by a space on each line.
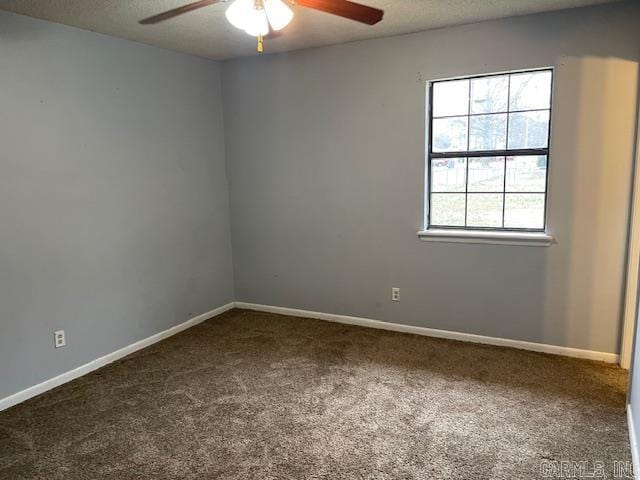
489 151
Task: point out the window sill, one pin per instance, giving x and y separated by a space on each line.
487 237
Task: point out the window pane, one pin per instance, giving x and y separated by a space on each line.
524 210
451 98
484 210
530 91
529 130
450 134
526 174
447 210
489 94
488 132
448 174
486 174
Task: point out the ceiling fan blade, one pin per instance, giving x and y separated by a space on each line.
346 9
178 11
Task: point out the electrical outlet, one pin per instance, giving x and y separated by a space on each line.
59 340
395 294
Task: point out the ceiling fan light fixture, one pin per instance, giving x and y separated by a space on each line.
278 14
248 15
258 17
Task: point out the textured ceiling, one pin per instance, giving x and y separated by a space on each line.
206 32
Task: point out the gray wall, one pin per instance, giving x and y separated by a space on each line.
325 156
113 195
114 204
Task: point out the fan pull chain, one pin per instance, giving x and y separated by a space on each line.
260 44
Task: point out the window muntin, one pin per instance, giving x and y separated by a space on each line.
489 151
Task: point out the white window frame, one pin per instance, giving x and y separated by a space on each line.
503 236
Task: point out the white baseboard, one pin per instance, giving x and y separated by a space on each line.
633 440
363 322
431 332
111 357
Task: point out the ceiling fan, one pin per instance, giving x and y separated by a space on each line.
261 18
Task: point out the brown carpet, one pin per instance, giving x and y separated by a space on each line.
258 396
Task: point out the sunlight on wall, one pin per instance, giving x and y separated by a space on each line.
596 166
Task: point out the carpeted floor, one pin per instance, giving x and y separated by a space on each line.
258 396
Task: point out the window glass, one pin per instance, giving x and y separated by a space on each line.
530 91
526 174
489 94
448 209
501 123
448 175
450 134
484 210
451 98
524 210
529 129
488 132
486 174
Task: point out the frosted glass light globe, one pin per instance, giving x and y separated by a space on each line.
256 23
238 12
278 13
